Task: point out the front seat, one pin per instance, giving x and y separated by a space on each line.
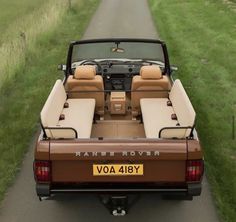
83 83
148 85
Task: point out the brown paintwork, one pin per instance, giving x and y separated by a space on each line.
194 150
154 171
42 149
65 149
169 150
168 166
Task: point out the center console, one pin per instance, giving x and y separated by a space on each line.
118 82
118 103
119 77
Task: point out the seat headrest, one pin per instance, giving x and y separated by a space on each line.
85 72
150 72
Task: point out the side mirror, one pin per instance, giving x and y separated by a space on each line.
173 69
61 67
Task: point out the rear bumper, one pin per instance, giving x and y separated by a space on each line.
45 190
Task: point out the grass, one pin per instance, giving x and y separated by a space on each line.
201 37
21 34
22 97
13 11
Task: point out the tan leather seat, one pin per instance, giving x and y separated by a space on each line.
83 83
157 115
78 115
150 78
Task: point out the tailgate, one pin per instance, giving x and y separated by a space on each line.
116 161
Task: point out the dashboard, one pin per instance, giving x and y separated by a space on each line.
119 77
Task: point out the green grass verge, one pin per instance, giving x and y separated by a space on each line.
13 11
22 97
21 33
201 37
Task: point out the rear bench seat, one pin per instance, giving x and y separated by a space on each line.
157 114
78 115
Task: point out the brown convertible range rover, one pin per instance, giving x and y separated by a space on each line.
117 124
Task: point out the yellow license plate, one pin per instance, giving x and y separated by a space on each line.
117 169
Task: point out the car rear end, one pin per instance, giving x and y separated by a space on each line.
118 166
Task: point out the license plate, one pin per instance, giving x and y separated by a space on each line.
117 169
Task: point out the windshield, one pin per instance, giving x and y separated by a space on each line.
122 50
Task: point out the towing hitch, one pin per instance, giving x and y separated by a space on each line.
117 205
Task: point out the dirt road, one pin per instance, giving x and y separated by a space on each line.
114 18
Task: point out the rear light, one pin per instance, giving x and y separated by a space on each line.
42 171
194 170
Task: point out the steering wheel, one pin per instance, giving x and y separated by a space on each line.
92 62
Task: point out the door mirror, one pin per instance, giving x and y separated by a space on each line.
173 69
61 67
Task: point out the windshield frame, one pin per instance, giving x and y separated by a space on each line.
167 69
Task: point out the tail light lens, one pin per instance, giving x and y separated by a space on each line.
194 170
42 171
